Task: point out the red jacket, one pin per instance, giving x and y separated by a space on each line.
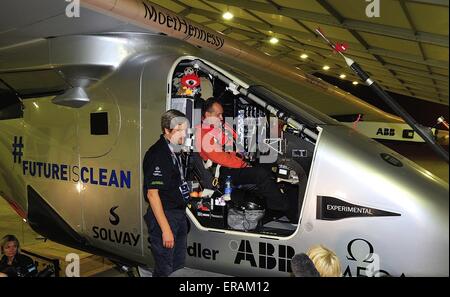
209 142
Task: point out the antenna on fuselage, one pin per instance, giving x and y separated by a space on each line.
423 131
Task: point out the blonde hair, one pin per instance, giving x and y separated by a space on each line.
326 261
5 240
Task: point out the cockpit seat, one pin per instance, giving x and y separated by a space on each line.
206 178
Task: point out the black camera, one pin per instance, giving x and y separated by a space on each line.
25 271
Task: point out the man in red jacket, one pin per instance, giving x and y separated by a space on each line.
210 140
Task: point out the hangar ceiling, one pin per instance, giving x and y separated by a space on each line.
406 49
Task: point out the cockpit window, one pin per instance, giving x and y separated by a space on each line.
285 101
297 109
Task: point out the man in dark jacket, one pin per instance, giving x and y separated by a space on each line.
167 193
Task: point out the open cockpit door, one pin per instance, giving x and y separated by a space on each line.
272 132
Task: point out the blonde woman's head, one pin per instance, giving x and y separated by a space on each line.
325 260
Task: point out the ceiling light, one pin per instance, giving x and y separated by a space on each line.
326 68
342 76
228 15
355 83
304 56
273 40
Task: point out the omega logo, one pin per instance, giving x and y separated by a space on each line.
351 256
367 261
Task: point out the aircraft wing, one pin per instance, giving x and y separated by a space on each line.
22 22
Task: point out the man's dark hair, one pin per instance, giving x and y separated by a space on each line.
208 104
171 118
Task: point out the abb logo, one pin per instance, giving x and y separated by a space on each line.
267 256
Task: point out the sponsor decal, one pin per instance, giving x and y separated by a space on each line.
331 209
391 160
197 251
114 218
268 257
179 24
17 149
113 235
364 261
408 134
66 172
386 132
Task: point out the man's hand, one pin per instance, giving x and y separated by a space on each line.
167 239
156 205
